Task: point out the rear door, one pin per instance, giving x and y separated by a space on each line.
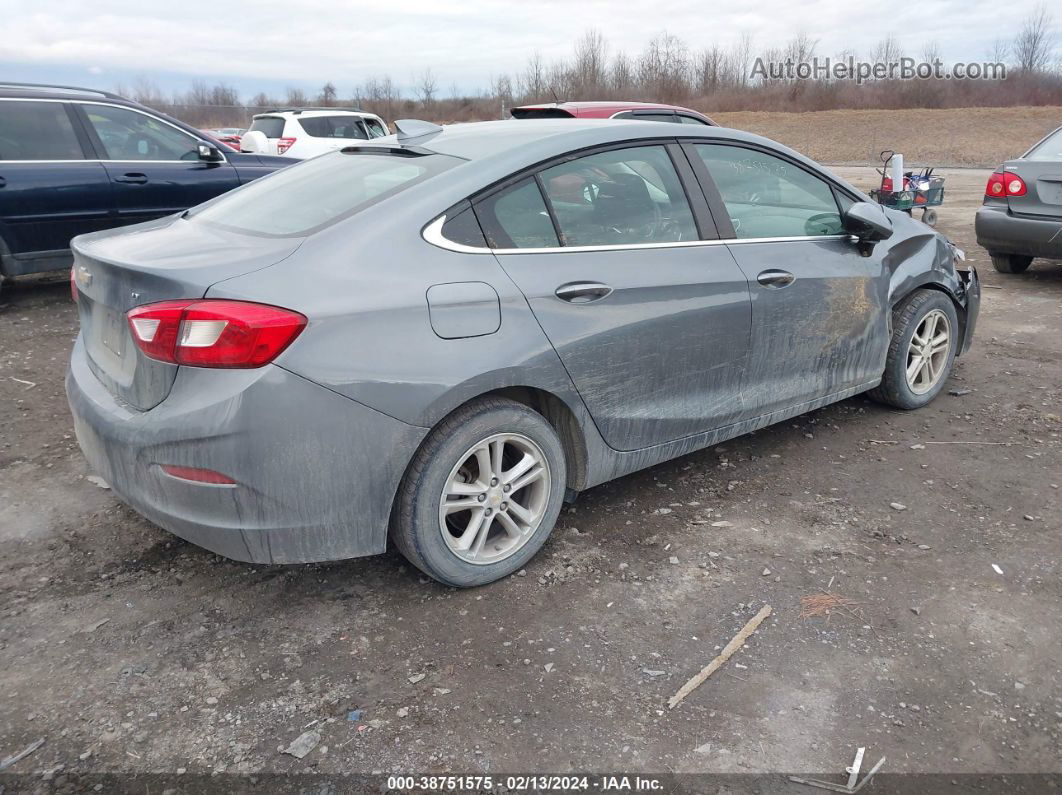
272 127
819 308
153 166
651 321
50 191
1041 170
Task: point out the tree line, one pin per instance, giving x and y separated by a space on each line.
668 69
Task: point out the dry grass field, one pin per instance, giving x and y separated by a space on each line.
947 137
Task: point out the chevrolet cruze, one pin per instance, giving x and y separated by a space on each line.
437 337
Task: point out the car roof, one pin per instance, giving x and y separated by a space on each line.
314 112
575 107
483 139
48 91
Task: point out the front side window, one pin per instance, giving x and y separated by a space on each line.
130 135
334 127
310 195
376 128
626 196
37 131
767 196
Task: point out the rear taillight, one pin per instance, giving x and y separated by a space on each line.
1001 184
214 333
284 144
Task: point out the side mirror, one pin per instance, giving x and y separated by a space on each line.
868 221
255 142
210 154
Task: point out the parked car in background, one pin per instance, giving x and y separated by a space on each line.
563 303
642 111
1022 213
308 132
75 160
228 135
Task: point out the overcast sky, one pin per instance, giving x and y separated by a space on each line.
270 44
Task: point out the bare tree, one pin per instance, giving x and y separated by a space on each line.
427 86
621 75
295 97
1034 46
327 97
1000 51
588 71
532 83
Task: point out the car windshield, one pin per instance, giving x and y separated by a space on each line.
1048 149
316 193
334 126
269 126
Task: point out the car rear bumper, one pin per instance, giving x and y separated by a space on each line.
315 472
1002 232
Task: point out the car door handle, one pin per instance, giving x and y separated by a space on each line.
773 278
133 179
582 292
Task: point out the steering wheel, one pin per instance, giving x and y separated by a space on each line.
822 224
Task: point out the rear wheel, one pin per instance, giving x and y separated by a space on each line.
1010 263
925 330
481 495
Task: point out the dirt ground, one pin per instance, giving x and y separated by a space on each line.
130 650
982 137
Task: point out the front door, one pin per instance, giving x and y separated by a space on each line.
819 308
154 167
651 323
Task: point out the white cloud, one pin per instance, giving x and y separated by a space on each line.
464 43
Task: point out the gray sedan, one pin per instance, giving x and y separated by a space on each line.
440 336
1022 213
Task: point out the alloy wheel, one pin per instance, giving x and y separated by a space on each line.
494 498
927 354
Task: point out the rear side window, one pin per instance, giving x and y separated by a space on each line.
333 127
462 227
376 128
692 120
1049 149
269 126
313 194
629 196
517 218
767 196
37 131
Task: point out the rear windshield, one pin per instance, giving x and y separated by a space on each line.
270 126
540 113
1048 149
313 194
334 127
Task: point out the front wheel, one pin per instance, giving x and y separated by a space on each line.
482 494
1010 263
925 330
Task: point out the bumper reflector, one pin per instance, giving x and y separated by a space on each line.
197 475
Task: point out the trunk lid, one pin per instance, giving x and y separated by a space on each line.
1043 187
159 261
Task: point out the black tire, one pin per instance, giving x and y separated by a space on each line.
415 523
929 216
1010 263
906 318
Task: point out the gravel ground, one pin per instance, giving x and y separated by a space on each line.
132 651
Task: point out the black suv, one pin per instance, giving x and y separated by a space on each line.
75 160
